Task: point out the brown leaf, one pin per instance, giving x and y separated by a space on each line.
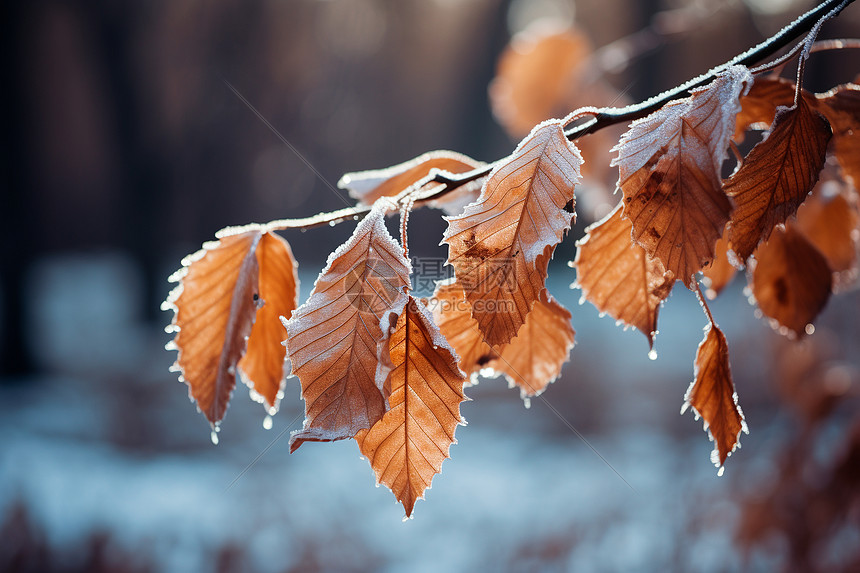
215 305
534 358
669 170
758 107
453 315
776 176
338 339
712 395
841 106
617 277
263 366
721 272
368 186
829 220
501 244
407 446
791 281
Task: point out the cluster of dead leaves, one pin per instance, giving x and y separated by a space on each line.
378 365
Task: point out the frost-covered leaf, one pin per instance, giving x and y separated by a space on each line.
407 446
500 246
617 277
721 272
791 281
263 366
215 305
712 395
669 171
534 358
829 219
841 106
776 176
338 339
368 186
452 313
758 106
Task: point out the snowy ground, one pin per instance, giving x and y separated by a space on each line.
107 443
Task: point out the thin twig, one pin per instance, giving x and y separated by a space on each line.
602 118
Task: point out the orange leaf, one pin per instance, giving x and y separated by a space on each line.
721 272
407 446
338 339
453 315
791 281
263 366
368 186
758 106
776 176
534 358
712 395
535 76
501 244
215 305
841 106
669 170
830 221
617 277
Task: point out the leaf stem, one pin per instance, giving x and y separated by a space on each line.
602 118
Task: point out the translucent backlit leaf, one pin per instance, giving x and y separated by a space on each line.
776 176
712 395
215 305
407 446
618 278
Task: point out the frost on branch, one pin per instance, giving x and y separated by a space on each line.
791 281
500 246
669 171
618 278
407 446
338 339
712 395
776 176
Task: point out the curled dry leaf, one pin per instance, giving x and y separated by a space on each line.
829 219
721 272
263 366
841 106
215 305
407 446
500 246
758 106
534 358
791 281
338 339
776 176
452 313
368 186
617 277
669 171
712 395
